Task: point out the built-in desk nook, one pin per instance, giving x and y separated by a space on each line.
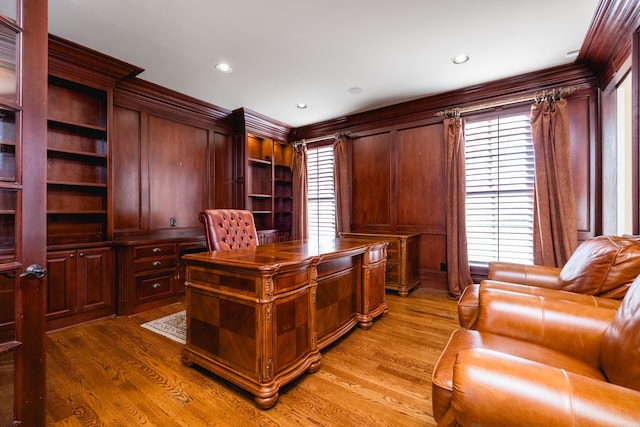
259 316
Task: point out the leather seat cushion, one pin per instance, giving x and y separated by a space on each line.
468 339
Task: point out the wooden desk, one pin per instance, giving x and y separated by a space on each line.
259 317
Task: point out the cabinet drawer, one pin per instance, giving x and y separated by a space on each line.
155 263
393 273
154 250
393 251
150 287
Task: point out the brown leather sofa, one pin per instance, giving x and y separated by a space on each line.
228 229
542 361
602 266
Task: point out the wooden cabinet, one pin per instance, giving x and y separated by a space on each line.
80 264
402 259
80 285
150 273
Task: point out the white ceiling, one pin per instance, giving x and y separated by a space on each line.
285 52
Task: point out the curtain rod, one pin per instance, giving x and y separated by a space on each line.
338 135
537 97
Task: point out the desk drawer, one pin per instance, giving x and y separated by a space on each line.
392 273
151 287
393 251
155 263
154 250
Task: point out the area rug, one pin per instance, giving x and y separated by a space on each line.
173 326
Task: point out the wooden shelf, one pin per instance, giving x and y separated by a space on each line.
57 151
260 162
78 212
77 127
78 184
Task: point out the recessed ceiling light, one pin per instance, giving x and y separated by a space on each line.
355 90
301 106
224 67
460 59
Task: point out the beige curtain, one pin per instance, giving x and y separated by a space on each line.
458 271
342 183
299 228
555 235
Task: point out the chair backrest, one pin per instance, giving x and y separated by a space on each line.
603 266
228 229
619 355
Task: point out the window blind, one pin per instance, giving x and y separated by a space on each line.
320 188
500 189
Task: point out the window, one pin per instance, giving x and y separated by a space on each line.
500 189
321 198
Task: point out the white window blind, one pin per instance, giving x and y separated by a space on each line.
500 189
321 198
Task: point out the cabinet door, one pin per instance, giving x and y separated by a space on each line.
61 285
94 278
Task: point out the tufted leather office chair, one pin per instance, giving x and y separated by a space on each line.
228 229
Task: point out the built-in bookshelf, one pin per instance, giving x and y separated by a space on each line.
77 163
268 183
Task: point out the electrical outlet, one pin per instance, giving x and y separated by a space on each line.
443 266
172 221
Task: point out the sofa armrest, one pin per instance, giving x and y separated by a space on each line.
570 328
532 275
492 388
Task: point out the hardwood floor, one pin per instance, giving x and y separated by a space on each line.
112 372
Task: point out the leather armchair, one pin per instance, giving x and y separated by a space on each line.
542 361
602 266
228 229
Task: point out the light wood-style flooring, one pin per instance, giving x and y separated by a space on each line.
112 372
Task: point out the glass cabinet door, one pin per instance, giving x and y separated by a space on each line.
9 115
8 76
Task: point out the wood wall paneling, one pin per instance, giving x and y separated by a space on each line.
222 174
178 160
421 177
371 186
585 161
433 253
126 169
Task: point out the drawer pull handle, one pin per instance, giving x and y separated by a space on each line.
156 285
157 263
157 250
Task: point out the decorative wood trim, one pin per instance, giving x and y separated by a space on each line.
68 58
425 108
608 42
251 121
139 92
